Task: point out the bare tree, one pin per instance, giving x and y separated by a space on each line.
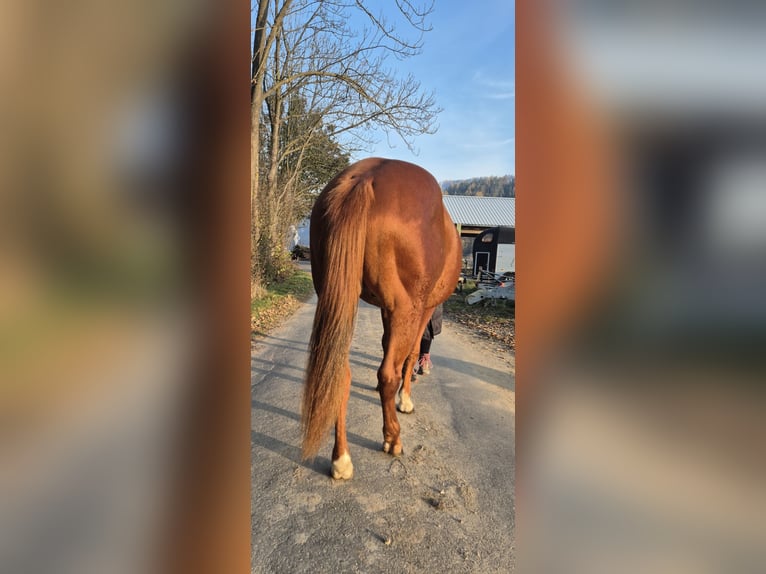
318 81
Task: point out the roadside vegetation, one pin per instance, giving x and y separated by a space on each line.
279 299
493 319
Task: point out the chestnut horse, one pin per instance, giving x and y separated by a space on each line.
379 231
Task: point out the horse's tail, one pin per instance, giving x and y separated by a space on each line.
341 211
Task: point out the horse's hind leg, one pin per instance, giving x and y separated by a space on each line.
341 458
405 397
384 317
400 333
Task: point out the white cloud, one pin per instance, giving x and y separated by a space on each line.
492 87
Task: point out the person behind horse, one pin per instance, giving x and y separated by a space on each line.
434 327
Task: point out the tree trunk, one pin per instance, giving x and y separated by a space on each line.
256 104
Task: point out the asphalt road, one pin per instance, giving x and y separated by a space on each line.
445 506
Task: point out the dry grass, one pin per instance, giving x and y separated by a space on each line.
279 301
493 319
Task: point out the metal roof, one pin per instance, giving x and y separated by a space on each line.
481 211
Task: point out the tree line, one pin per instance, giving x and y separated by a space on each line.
492 186
322 83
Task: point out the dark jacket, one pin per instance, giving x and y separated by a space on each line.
434 326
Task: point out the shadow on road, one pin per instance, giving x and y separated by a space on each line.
293 453
271 341
356 356
320 465
501 379
293 345
266 368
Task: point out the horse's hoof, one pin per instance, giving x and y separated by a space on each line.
342 469
405 404
396 450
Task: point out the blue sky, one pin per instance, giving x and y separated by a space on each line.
468 62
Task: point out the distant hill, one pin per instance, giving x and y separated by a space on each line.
492 186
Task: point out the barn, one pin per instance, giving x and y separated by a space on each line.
472 214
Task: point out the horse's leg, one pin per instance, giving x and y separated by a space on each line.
384 338
341 458
400 333
405 397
